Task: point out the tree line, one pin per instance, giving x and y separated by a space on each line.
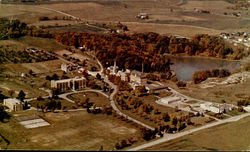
130 51
200 76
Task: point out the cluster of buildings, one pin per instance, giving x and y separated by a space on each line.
237 38
216 108
136 78
69 84
70 67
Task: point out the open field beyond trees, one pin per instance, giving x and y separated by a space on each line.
165 16
230 136
222 93
70 130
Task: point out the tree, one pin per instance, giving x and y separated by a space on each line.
189 121
174 120
166 117
117 146
181 84
85 73
55 77
59 105
101 148
26 106
98 76
48 78
38 106
30 72
123 143
21 95
3 114
91 84
11 92
44 84
240 109
178 126
55 92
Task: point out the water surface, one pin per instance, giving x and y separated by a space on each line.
186 66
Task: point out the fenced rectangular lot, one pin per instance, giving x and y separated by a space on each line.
33 121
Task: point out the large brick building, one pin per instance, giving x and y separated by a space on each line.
69 84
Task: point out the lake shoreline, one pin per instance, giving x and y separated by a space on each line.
185 66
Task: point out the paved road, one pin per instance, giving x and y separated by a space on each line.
168 137
77 18
112 102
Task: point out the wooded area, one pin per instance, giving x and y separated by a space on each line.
130 51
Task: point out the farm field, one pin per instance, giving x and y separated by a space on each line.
230 136
165 17
83 131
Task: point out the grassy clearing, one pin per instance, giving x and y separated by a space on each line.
96 98
76 28
219 94
30 84
69 131
163 94
231 136
234 113
26 13
42 43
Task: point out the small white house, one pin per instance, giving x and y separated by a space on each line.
23 75
13 104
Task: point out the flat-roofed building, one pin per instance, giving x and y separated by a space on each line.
217 108
13 104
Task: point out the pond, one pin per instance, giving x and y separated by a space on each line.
185 66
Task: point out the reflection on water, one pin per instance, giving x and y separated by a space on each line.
186 66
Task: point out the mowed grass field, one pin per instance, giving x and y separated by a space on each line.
233 136
95 98
229 93
27 13
42 43
69 131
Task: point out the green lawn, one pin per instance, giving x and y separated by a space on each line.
69 131
43 43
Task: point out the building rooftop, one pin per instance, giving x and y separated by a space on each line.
138 73
13 101
67 80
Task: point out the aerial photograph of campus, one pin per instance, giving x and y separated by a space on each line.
125 75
